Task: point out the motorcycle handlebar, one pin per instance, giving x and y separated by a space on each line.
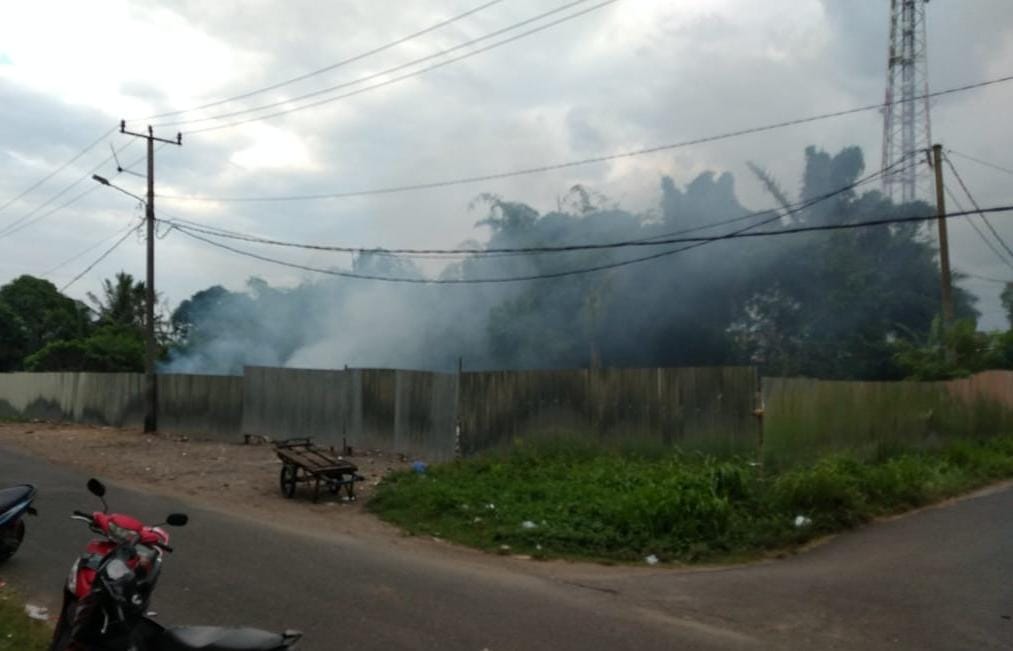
82 514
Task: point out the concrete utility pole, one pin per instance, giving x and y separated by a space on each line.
150 350
944 242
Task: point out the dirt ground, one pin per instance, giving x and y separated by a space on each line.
238 478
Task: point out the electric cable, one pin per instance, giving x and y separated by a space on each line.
102 257
59 169
333 66
574 163
388 71
974 203
30 217
692 243
656 240
980 161
977 229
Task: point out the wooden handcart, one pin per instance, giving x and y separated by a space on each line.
305 463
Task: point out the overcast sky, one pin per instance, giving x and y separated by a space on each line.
636 73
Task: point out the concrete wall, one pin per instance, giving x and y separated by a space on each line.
206 406
114 399
696 408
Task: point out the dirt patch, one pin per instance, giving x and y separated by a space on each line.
235 477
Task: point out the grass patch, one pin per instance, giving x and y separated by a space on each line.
17 631
576 501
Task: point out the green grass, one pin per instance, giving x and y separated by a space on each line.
575 501
17 631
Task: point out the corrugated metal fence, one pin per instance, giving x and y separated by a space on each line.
439 415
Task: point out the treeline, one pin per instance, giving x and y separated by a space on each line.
860 303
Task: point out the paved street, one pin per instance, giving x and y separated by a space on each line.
939 579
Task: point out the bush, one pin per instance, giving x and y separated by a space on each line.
570 499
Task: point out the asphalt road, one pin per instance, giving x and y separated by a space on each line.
939 579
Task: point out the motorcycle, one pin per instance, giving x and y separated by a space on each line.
108 590
15 503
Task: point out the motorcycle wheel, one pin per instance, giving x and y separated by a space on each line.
11 542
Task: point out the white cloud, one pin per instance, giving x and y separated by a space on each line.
638 73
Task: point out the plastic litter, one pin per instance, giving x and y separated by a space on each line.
37 613
652 560
419 467
528 524
802 521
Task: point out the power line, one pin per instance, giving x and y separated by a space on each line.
101 257
397 68
88 250
656 240
576 163
27 219
692 243
333 66
980 161
59 169
974 203
981 234
989 279
14 228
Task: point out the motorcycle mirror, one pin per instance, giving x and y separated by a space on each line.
96 488
177 519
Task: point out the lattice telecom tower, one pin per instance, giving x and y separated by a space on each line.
907 129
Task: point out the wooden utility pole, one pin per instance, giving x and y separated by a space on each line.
944 243
150 349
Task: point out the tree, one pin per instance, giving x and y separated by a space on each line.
1007 302
111 348
122 301
33 314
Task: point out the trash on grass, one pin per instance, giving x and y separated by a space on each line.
802 521
652 560
37 613
528 524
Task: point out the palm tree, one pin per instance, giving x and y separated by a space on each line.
121 303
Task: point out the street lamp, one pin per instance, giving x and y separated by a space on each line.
104 181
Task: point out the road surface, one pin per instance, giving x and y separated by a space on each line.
938 579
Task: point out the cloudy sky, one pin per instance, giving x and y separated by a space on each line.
632 74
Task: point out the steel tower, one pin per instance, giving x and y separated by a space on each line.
907 129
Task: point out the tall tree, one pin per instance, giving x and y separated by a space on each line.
34 314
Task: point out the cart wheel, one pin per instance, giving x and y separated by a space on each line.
288 480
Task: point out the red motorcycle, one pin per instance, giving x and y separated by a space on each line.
106 597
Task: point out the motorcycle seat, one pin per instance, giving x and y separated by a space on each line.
212 638
11 496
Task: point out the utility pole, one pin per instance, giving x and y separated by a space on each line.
150 350
944 243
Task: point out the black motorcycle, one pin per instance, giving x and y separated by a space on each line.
15 503
106 597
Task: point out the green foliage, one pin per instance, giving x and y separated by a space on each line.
17 631
33 314
569 499
957 351
122 302
112 348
